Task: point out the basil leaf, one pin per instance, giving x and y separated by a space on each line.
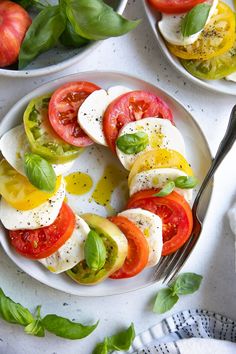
186 283
95 20
94 251
62 327
36 328
40 172
166 190
12 312
186 182
101 348
42 35
122 340
132 143
195 19
165 300
70 38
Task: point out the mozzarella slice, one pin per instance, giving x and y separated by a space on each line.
43 215
231 77
71 253
161 134
170 27
14 144
91 112
157 178
151 226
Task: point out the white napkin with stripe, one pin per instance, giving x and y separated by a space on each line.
188 332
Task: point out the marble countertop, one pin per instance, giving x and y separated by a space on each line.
214 257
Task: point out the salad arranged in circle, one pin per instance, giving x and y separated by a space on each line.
139 128
201 34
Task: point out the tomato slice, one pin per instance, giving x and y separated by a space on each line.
175 213
42 138
216 38
18 191
129 107
174 6
159 158
138 249
43 242
63 111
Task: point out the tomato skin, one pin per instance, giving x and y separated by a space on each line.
138 249
129 107
14 22
63 110
175 213
42 242
174 6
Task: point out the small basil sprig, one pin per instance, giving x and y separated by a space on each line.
195 19
119 342
42 35
186 283
70 38
13 312
60 326
132 143
35 328
94 251
95 20
183 182
40 172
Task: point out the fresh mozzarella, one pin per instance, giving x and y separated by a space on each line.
170 27
91 112
14 145
71 253
151 226
161 134
231 77
157 178
43 215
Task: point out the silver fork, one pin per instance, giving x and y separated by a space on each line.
169 266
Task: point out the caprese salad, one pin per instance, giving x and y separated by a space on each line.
139 129
201 34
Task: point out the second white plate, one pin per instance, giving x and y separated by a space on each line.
222 86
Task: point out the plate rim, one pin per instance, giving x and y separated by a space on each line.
51 69
179 68
102 73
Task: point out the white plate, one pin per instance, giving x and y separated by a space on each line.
60 57
198 155
222 86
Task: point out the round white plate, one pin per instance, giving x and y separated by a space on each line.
222 86
60 57
94 159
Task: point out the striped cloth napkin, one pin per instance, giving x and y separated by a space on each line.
189 332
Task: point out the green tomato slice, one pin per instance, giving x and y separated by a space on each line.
116 248
42 138
213 69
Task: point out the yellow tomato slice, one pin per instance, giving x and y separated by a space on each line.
159 158
18 191
217 38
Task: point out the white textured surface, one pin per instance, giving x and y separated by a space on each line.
138 54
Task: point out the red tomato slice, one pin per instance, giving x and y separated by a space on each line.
138 249
129 107
174 6
175 213
63 109
43 242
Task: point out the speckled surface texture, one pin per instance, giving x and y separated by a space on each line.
214 256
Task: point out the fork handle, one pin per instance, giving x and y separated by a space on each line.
224 147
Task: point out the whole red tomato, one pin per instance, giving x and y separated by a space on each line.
14 22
